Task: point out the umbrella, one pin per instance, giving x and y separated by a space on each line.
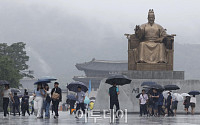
42 81
165 94
87 100
138 95
14 90
156 86
48 78
194 93
171 87
118 79
92 98
148 83
4 82
71 97
74 86
178 96
185 94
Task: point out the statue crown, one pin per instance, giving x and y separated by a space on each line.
151 11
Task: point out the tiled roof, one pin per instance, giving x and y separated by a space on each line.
103 65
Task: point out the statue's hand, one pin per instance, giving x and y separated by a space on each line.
159 40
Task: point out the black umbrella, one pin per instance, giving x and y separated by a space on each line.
74 86
118 80
148 83
171 87
92 98
14 90
194 93
4 82
138 95
156 86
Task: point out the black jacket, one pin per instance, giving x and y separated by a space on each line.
57 90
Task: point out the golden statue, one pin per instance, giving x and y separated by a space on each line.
150 45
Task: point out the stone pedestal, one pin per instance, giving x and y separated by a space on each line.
133 74
127 97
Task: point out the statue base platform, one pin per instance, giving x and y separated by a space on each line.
127 96
133 74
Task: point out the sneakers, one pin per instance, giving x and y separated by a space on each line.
55 117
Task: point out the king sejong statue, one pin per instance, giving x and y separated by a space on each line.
151 48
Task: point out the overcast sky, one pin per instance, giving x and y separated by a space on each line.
61 33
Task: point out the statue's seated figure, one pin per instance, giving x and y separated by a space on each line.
150 44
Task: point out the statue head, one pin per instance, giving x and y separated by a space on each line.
151 17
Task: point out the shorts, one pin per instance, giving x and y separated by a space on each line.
155 106
174 105
187 106
192 105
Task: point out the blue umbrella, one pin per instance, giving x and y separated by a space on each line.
4 82
194 93
42 81
71 97
148 83
74 86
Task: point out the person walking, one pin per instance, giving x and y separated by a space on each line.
142 102
56 95
25 104
193 103
169 103
174 105
16 104
39 95
6 94
80 100
186 103
113 93
47 101
155 97
160 105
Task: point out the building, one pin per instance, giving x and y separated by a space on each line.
96 70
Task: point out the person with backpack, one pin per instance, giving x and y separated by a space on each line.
16 104
47 101
25 104
142 102
113 93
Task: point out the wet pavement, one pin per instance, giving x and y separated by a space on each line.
132 119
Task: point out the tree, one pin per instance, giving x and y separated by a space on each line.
17 53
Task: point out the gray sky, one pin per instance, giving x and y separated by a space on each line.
61 33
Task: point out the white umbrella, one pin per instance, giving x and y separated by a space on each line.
165 94
185 94
178 97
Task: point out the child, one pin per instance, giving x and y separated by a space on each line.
25 104
16 104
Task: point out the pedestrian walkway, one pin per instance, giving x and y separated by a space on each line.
133 119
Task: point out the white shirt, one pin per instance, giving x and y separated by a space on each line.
193 100
143 98
6 93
